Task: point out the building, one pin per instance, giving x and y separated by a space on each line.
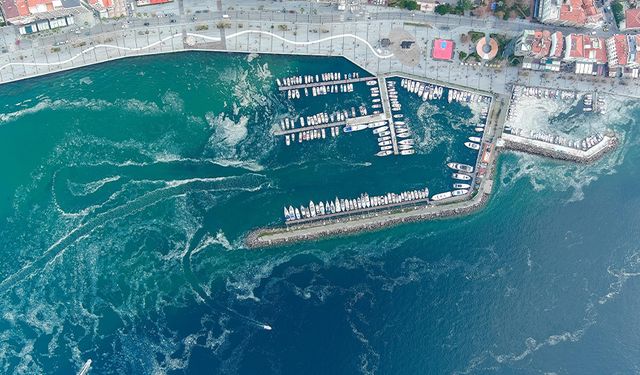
622 51
539 44
588 53
586 49
442 49
108 8
151 2
39 15
580 13
632 19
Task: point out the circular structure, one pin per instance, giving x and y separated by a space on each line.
487 48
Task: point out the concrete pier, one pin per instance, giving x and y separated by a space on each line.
311 127
386 107
325 83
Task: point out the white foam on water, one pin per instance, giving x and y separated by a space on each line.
59 104
83 189
252 56
218 239
86 80
138 106
172 102
225 131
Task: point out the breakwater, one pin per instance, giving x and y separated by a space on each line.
266 237
559 152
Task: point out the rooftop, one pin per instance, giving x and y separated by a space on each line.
632 18
586 48
442 49
15 9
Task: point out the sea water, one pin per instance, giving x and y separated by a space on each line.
127 189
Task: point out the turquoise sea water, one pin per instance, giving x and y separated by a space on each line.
127 189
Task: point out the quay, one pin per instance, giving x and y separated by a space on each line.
324 83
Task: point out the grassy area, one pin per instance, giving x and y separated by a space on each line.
404 4
475 36
618 11
459 9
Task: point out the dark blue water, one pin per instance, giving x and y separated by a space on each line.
126 194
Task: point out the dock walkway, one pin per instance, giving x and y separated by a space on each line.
386 107
311 127
324 83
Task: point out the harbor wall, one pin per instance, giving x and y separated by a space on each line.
270 237
558 152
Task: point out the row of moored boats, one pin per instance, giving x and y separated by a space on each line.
426 91
454 95
462 173
320 84
400 128
579 144
362 203
318 119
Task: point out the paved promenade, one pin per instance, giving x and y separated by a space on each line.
272 32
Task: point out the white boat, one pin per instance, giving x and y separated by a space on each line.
385 138
354 128
398 115
407 152
385 148
457 193
384 153
442 196
406 142
380 129
460 167
384 133
471 145
405 147
461 176
475 139
403 135
479 130
384 143
460 185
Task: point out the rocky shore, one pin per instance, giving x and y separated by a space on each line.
530 146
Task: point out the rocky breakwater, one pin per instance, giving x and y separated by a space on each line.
266 237
554 151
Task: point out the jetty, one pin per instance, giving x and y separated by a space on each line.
324 83
386 107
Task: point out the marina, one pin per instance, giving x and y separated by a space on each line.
391 126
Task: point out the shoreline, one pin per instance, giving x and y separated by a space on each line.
177 51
